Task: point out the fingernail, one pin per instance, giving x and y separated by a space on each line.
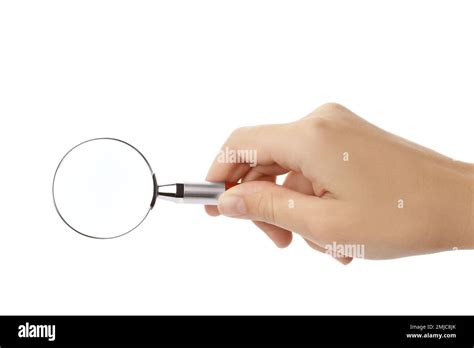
232 206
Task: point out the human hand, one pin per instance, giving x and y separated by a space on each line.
349 183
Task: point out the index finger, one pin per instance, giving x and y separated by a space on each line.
270 144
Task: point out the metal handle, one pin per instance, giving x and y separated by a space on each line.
193 193
203 193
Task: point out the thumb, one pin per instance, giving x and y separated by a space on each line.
273 204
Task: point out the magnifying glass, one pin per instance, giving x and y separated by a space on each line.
104 188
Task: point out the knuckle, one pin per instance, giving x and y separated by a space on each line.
316 128
320 124
325 119
331 108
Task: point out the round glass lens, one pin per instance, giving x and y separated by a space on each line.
103 188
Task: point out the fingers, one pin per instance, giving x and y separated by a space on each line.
266 142
212 210
273 204
275 209
281 237
270 154
296 181
259 197
262 173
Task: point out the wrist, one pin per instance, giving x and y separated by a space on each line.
470 187
449 200
462 203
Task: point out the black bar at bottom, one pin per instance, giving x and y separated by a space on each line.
192 330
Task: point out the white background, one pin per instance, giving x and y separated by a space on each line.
174 78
